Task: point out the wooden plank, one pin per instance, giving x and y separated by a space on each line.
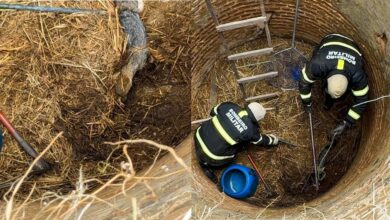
258 77
243 23
262 97
253 53
213 90
200 121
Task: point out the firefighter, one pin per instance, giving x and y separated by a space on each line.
218 140
338 62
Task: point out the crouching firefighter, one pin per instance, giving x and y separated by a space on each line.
218 140
339 63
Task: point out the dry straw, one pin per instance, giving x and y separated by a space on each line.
57 75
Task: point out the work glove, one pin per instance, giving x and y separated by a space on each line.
273 140
341 127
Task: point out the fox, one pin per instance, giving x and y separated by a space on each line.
137 48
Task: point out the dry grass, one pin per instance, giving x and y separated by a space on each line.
57 75
76 204
286 170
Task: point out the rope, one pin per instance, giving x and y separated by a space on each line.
51 9
372 100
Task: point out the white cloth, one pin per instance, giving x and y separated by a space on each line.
258 110
337 85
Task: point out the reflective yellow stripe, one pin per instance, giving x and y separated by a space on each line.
222 131
308 96
353 114
243 113
207 151
340 64
306 77
361 92
343 45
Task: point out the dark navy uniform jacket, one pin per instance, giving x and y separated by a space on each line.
337 54
221 137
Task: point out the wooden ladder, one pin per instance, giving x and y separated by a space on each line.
261 22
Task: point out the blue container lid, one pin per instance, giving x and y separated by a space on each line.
239 181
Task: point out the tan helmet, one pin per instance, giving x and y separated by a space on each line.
257 110
337 85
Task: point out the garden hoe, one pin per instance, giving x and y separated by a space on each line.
289 144
322 157
270 192
314 151
41 165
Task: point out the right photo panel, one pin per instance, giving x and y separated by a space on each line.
289 110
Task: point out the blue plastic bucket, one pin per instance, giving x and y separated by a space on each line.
239 181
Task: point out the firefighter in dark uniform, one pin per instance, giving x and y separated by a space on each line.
218 140
339 62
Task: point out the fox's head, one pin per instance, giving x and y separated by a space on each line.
132 5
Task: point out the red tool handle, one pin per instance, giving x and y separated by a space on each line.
267 187
41 164
7 124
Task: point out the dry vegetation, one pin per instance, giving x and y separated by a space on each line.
285 169
57 74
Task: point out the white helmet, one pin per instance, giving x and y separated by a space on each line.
257 110
337 85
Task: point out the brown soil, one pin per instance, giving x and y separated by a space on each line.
285 169
45 98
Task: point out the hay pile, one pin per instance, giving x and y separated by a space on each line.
57 75
286 170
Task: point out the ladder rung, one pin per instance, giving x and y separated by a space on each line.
258 77
262 97
252 53
243 23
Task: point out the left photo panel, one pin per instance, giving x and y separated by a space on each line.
95 109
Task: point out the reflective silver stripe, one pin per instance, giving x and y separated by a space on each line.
308 96
343 45
216 108
270 140
305 76
207 151
361 92
339 35
353 114
257 142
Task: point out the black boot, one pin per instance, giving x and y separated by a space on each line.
209 172
328 102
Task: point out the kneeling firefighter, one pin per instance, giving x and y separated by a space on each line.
218 140
339 63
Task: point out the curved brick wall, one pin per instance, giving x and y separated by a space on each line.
317 19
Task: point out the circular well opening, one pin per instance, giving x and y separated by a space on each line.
210 60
